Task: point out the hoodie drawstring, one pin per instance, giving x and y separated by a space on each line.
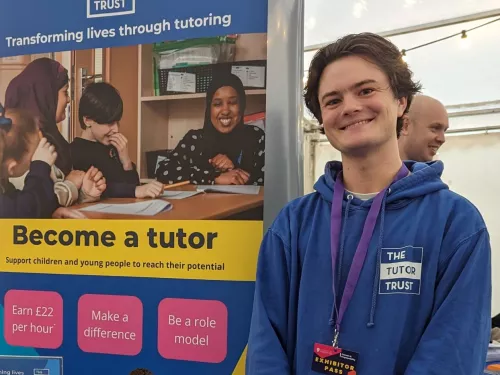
371 322
342 241
334 313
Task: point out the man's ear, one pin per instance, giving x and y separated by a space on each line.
402 104
405 130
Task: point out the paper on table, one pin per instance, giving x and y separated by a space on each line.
230 189
493 352
251 76
182 82
146 208
177 194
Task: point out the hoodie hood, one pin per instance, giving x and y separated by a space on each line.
425 178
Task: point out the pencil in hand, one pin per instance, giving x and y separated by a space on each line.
177 184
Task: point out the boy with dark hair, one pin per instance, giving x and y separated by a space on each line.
382 270
103 146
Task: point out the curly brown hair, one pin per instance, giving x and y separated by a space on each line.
372 47
14 143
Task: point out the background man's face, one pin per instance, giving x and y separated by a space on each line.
425 133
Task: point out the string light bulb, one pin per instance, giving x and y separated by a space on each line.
464 40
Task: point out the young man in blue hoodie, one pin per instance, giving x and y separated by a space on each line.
382 270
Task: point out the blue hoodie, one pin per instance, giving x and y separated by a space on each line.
438 321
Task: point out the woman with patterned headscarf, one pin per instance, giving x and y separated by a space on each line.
225 151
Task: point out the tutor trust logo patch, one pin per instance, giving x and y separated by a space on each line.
109 8
401 270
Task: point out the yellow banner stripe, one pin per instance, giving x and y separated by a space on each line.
199 250
240 366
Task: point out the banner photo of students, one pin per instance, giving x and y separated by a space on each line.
132 148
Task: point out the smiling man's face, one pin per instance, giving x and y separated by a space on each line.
358 107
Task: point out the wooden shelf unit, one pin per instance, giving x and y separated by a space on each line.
162 121
192 96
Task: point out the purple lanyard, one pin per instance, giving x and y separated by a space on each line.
364 243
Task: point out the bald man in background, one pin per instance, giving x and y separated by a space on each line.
423 130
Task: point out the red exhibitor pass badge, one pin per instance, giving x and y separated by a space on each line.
330 360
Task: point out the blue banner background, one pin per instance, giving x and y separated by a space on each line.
23 18
236 295
26 18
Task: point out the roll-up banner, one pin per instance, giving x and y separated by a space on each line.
145 147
